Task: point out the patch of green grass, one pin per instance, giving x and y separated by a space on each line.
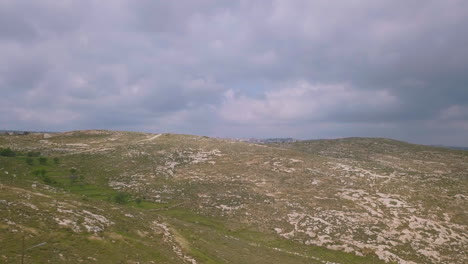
191 217
204 232
148 205
203 257
92 191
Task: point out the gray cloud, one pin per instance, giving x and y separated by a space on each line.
238 68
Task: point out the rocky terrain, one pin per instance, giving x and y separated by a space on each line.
124 197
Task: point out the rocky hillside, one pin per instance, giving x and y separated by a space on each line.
122 197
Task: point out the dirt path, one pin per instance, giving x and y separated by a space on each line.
151 138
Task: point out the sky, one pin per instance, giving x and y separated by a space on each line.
305 69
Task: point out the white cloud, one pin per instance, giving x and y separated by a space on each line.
250 68
302 101
454 112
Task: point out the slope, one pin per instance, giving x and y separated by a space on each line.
121 196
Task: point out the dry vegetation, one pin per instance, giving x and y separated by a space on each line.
185 199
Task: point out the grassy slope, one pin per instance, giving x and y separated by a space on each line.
206 236
30 211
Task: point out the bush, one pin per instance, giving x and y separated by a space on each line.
43 160
29 161
45 178
36 173
7 152
49 181
42 172
121 198
138 201
72 178
33 154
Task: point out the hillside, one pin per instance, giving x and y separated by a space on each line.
124 197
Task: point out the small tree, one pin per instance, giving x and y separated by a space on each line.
42 160
56 160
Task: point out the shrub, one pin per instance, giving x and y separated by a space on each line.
33 154
36 173
42 172
121 198
43 160
29 161
49 181
7 152
138 201
73 178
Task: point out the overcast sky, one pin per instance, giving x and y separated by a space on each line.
303 69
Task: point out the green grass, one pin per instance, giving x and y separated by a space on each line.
191 217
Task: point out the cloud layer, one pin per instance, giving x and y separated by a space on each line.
306 69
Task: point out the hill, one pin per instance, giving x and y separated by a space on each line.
124 197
